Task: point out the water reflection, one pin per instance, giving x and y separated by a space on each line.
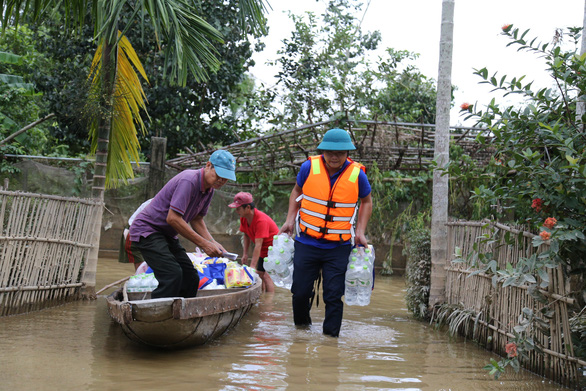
78 347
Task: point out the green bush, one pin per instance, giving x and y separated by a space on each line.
417 238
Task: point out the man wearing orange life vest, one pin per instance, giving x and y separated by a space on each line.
322 212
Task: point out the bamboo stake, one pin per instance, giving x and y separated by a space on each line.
113 284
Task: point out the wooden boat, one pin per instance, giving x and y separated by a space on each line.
178 322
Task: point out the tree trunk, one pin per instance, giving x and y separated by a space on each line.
439 216
109 69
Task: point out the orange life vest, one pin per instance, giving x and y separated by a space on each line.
328 212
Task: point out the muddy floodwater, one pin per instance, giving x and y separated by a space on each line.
78 347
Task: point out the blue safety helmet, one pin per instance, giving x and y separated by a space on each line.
336 140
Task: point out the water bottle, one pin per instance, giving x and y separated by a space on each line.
132 284
351 290
272 252
284 256
288 243
369 255
269 265
151 282
287 277
144 283
281 268
364 286
285 273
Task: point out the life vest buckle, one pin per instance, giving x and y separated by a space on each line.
331 204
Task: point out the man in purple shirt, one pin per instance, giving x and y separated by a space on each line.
179 209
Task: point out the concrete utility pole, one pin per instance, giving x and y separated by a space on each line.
439 215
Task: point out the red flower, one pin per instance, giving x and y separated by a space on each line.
550 222
465 106
511 349
506 27
537 204
545 235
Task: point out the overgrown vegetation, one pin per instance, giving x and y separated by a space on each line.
538 175
417 242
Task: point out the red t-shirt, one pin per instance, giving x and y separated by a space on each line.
262 227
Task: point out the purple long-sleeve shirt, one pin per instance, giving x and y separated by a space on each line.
184 193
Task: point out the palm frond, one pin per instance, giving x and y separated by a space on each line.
189 49
128 101
255 9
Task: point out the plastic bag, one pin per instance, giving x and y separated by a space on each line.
197 256
236 276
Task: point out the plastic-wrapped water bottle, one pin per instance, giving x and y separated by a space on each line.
351 290
284 256
272 252
144 283
281 268
288 243
369 254
269 265
132 284
284 273
364 286
151 282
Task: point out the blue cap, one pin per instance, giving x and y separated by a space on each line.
336 140
224 164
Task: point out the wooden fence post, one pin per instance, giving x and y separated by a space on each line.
157 166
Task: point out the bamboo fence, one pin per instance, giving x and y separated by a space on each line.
392 145
44 244
497 309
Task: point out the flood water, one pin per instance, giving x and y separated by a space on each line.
77 347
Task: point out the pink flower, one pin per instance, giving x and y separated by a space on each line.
545 235
550 222
465 106
506 27
511 349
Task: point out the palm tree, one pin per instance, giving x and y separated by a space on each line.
116 95
439 216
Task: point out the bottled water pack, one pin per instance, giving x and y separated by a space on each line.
359 276
143 282
279 261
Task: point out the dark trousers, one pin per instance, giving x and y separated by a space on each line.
308 262
172 267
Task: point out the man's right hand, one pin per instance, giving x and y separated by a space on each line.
211 249
287 228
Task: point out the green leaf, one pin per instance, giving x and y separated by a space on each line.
572 160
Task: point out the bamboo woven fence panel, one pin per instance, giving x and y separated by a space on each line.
496 309
392 145
44 244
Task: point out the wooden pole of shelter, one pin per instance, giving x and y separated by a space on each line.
157 166
439 215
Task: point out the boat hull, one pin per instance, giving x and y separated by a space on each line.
178 322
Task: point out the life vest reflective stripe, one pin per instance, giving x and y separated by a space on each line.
328 212
328 203
323 216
